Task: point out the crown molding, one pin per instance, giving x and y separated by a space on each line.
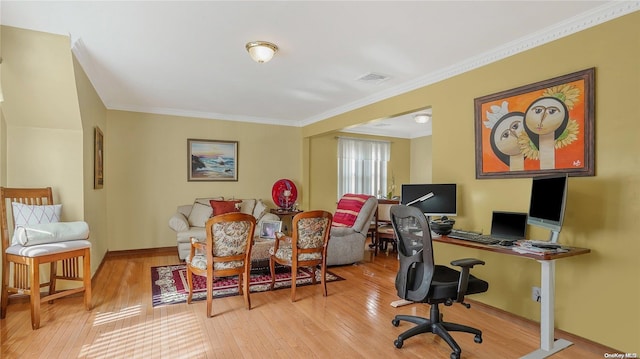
572 25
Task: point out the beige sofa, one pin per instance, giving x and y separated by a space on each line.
188 222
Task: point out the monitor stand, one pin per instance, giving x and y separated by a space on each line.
553 236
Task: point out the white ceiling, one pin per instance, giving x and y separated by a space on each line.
189 58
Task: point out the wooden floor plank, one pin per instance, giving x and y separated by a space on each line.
353 321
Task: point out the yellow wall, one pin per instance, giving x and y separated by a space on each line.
596 294
94 114
323 163
146 170
421 160
43 128
42 139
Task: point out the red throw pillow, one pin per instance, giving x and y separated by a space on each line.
348 209
222 207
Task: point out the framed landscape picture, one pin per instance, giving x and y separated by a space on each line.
98 158
537 129
212 160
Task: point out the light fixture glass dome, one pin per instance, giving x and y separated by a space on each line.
422 118
261 51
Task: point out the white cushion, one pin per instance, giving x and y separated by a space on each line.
26 214
199 215
259 209
247 206
49 248
41 233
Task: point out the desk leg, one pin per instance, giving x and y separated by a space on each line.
548 346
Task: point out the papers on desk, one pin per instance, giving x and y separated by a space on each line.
539 248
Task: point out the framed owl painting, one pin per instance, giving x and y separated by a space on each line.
538 129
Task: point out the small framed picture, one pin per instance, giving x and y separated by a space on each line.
268 229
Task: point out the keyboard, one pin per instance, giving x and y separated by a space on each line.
472 237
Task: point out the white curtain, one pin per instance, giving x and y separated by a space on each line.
362 166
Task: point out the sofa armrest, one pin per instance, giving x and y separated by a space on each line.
267 217
178 222
342 231
185 209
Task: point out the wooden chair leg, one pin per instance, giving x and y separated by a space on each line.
294 275
209 295
190 284
5 292
53 273
246 281
86 277
323 278
34 273
272 269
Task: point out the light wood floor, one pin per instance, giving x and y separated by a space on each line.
354 321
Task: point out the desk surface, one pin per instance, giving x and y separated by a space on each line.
573 251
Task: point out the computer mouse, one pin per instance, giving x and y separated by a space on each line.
506 243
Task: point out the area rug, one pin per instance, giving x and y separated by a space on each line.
169 283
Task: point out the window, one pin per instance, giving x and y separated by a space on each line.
362 166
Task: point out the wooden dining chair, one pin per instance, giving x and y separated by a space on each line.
226 253
306 247
385 233
21 264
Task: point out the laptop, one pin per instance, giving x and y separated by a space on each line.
508 226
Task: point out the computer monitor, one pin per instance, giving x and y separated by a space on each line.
510 226
547 204
442 203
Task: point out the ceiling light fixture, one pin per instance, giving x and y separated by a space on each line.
261 51
421 118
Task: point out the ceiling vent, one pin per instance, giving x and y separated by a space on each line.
373 78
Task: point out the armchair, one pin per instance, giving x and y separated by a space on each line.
307 247
226 252
349 228
419 279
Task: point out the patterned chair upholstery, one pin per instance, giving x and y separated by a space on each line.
226 252
307 247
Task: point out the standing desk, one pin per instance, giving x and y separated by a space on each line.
548 268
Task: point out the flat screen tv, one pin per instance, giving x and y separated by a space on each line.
443 202
547 203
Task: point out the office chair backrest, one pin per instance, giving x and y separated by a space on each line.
415 253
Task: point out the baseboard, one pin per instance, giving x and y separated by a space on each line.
142 252
593 347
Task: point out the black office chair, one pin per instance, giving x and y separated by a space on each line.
420 280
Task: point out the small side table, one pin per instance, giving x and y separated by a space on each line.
285 216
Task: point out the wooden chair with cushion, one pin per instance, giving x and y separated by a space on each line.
385 234
307 247
226 253
21 260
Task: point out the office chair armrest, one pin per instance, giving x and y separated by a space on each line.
466 262
463 281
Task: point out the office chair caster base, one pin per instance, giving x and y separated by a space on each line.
455 355
398 343
477 339
395 322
